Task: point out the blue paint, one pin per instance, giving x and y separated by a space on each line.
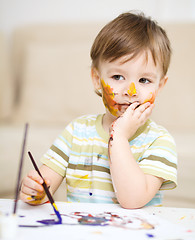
58 215
49 222
52 221
149 235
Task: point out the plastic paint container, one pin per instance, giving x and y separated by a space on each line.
8 226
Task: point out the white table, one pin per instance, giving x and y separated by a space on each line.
167 223
184 217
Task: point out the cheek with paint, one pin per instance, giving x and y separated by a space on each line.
132 90
108 98
151 97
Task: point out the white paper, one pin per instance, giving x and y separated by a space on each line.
127 224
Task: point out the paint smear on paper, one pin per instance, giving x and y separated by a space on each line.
97 232
114 219
182 218
49 222
93 221
149 235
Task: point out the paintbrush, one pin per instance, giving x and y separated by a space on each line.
46 190
20 169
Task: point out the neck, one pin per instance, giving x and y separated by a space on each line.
107 120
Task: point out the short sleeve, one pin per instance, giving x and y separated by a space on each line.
57 156
160 159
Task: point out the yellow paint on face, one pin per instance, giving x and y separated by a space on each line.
132 90
108 98
150 98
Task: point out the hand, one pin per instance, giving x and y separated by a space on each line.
32 191
134 117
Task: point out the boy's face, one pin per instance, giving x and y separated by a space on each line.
124 82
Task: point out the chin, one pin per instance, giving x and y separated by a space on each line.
121 111
119 114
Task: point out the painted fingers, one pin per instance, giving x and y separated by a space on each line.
139 113
133 118
32 190
142 110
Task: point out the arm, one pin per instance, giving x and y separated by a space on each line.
133 188
32 190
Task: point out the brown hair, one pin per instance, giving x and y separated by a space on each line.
131 33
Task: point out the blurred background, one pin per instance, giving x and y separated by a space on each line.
45 78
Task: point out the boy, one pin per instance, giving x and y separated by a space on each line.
121 156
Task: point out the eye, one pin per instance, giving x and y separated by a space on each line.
144 80
118 77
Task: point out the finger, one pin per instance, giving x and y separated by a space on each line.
47 181
32 200
23 197
130 110
29 191
144 106
141 109
35 176
30 183
148 111
134 105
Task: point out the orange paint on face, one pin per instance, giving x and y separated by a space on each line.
151 98
132 89
108 98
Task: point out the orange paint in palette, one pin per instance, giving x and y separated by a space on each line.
108 98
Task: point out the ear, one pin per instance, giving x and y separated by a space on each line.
162 83
95 78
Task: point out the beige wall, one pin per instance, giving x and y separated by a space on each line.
21 12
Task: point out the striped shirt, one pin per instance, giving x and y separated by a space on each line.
80 154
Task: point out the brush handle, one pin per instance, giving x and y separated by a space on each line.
43 184
20 169
46 189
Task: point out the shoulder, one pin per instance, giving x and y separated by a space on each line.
85 119
79 127
82 123
152 134
160 142
154 130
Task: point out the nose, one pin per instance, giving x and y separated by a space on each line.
131 91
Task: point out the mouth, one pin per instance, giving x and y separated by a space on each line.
124 106
126 103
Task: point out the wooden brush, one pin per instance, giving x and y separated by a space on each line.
46 190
